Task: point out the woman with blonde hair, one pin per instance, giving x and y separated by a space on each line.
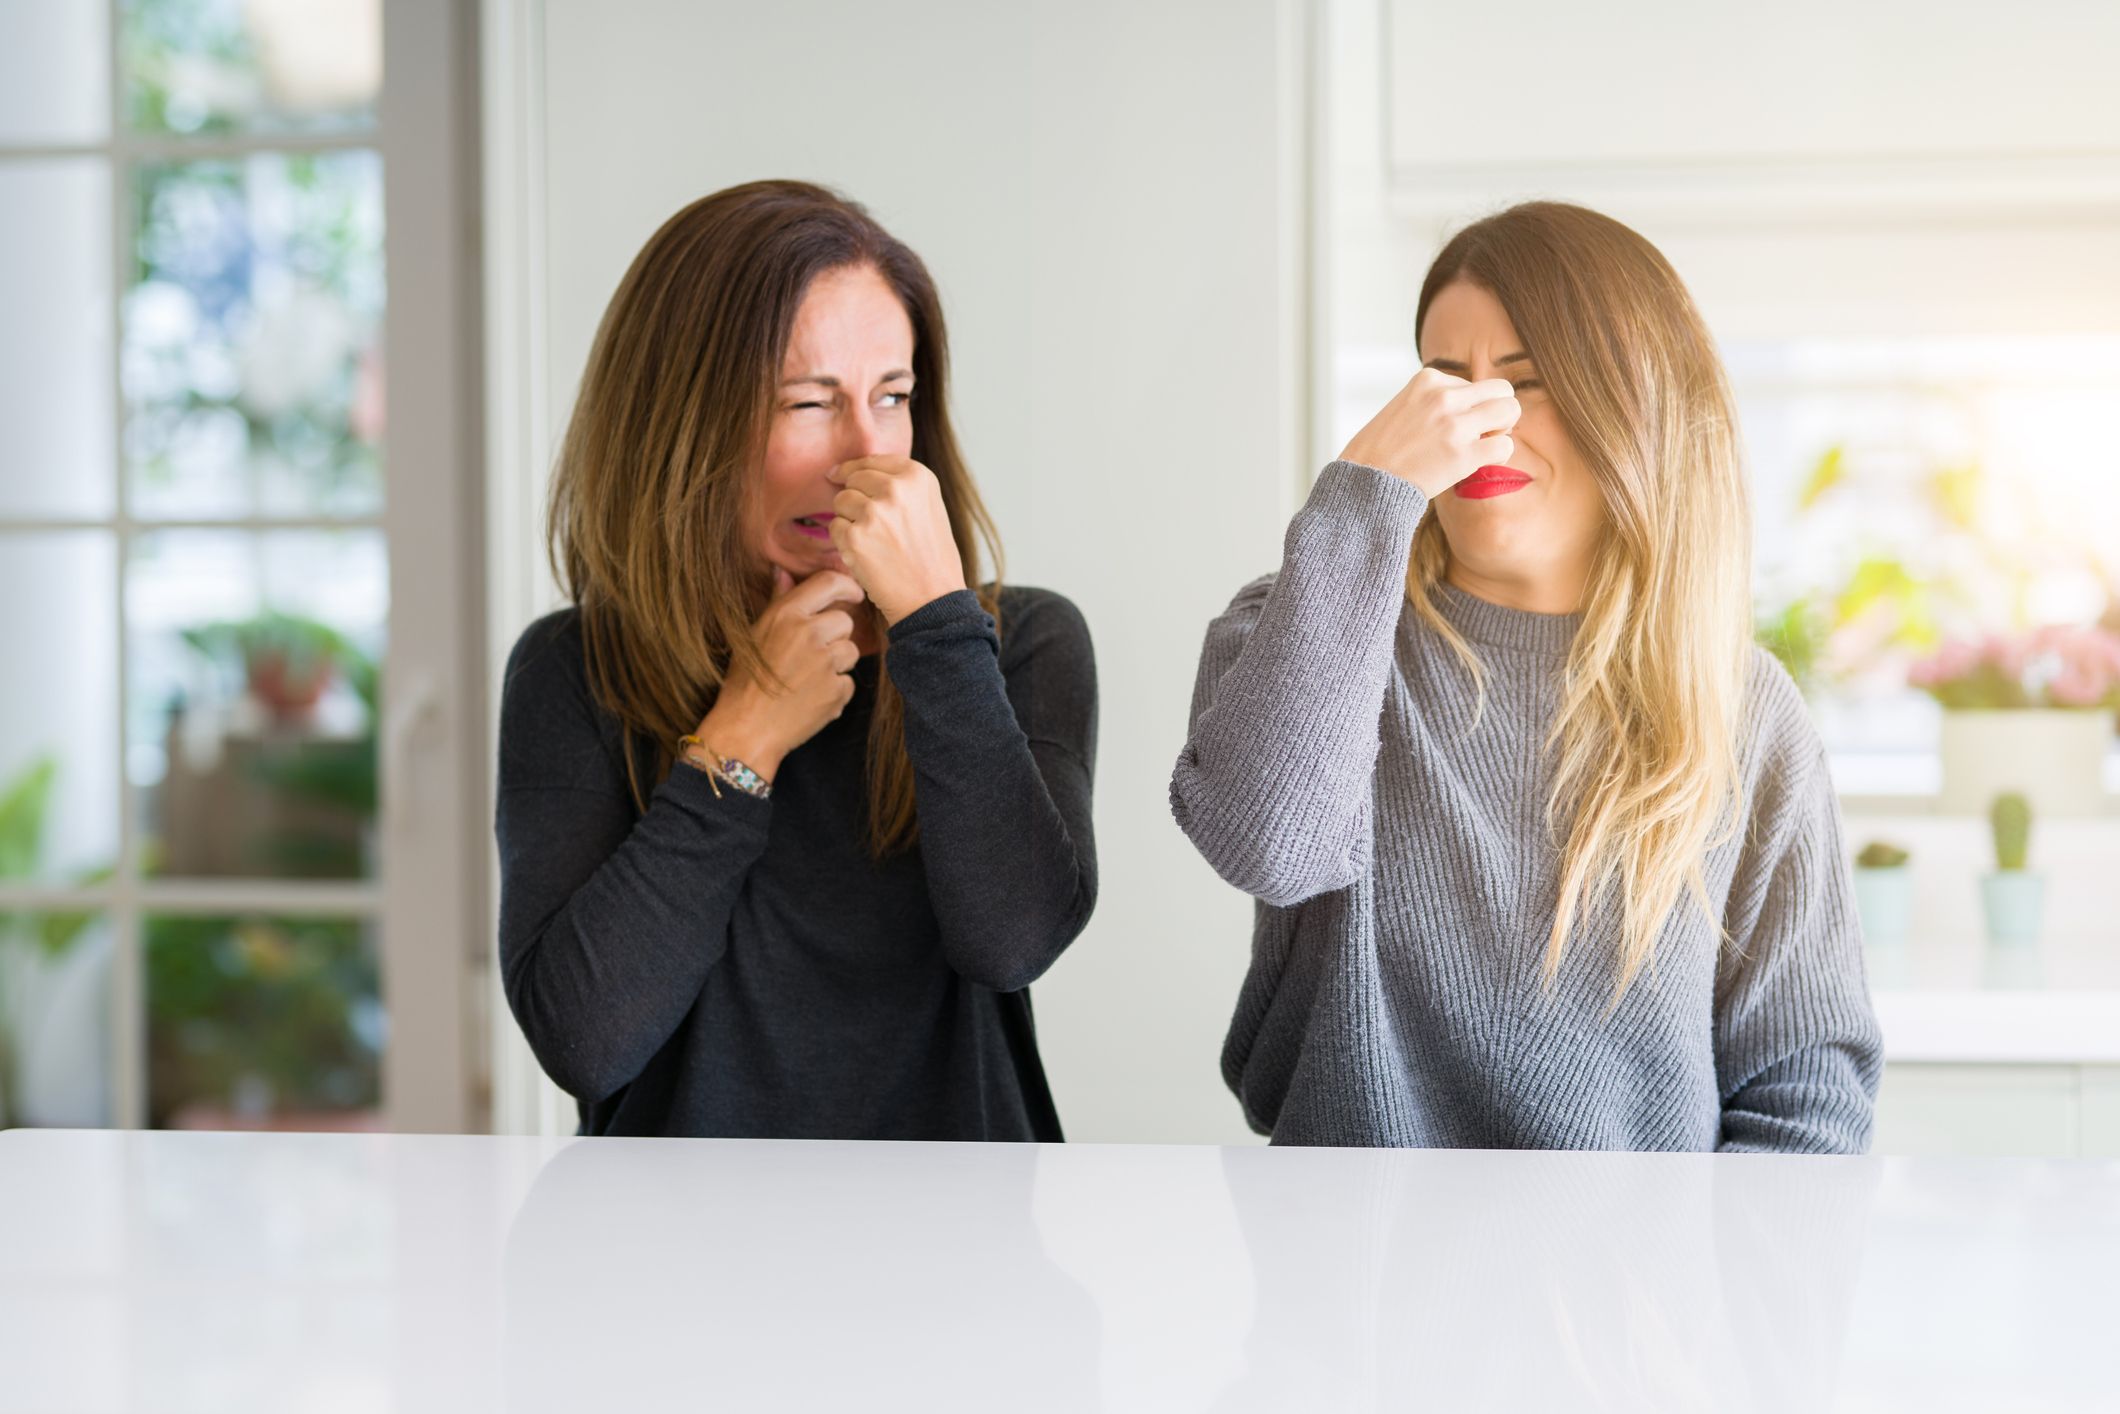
1545 849
793 804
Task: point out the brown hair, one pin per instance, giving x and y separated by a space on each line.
645 526
1647 733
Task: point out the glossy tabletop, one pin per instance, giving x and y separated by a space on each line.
225 1272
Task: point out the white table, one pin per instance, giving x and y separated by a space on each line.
226 1272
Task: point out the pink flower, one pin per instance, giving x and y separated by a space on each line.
2088 665
2009 655
2061 665
2075 688
1951 661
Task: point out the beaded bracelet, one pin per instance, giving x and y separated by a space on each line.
719 768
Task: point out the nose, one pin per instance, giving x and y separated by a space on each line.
863 435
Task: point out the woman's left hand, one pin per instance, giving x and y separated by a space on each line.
893 531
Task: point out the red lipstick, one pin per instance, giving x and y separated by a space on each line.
1490 481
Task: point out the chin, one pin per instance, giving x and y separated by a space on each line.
806 558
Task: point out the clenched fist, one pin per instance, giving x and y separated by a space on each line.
1438 430
893 531
806 636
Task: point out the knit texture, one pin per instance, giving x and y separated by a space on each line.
1406 884
724 966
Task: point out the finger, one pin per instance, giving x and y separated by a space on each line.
823 589
1473 394
833 625
843 656
1497 416
1496 450
851 507
886 462
874 480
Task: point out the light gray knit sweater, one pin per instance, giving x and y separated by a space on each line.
1406 884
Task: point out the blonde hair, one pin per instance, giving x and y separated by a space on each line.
1645 743
645 524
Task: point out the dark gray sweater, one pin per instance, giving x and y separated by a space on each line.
1406 884
741 967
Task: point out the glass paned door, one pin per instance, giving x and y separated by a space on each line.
197 501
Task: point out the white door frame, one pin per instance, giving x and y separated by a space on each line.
519 447
432 738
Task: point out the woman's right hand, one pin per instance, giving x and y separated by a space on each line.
807 640
1438 430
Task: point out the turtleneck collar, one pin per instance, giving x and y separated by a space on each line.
1485 622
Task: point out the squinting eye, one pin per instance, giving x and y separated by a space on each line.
793 407
898 399
1528 383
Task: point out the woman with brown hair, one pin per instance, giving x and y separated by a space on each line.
793 805
1545 847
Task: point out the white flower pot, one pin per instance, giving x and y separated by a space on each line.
1884 899
54 1014
2055 757
2014 901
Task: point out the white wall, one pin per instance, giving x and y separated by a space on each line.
1109 197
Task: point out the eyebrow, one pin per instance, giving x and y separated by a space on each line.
822 380
1451 365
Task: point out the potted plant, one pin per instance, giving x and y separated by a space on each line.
2029 714
1797 634
1884 893
287 661
2012 895
34 947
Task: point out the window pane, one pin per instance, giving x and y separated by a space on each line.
58 714
1916 491
55 1021
256 66
56 459
252 366
251 726
54 71
263 1023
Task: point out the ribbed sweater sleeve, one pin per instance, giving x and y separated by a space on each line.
1797 1047
1003 743
608 924
1273 785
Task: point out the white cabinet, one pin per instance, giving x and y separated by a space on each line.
1708 110
2101 1112
2025 1111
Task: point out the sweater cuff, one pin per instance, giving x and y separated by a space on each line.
1367 494
1355 531
953 615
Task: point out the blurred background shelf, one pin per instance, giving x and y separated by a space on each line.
1999 1027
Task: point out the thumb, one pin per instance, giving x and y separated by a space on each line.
782 581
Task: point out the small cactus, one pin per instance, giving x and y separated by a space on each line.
1879 855
2011 816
